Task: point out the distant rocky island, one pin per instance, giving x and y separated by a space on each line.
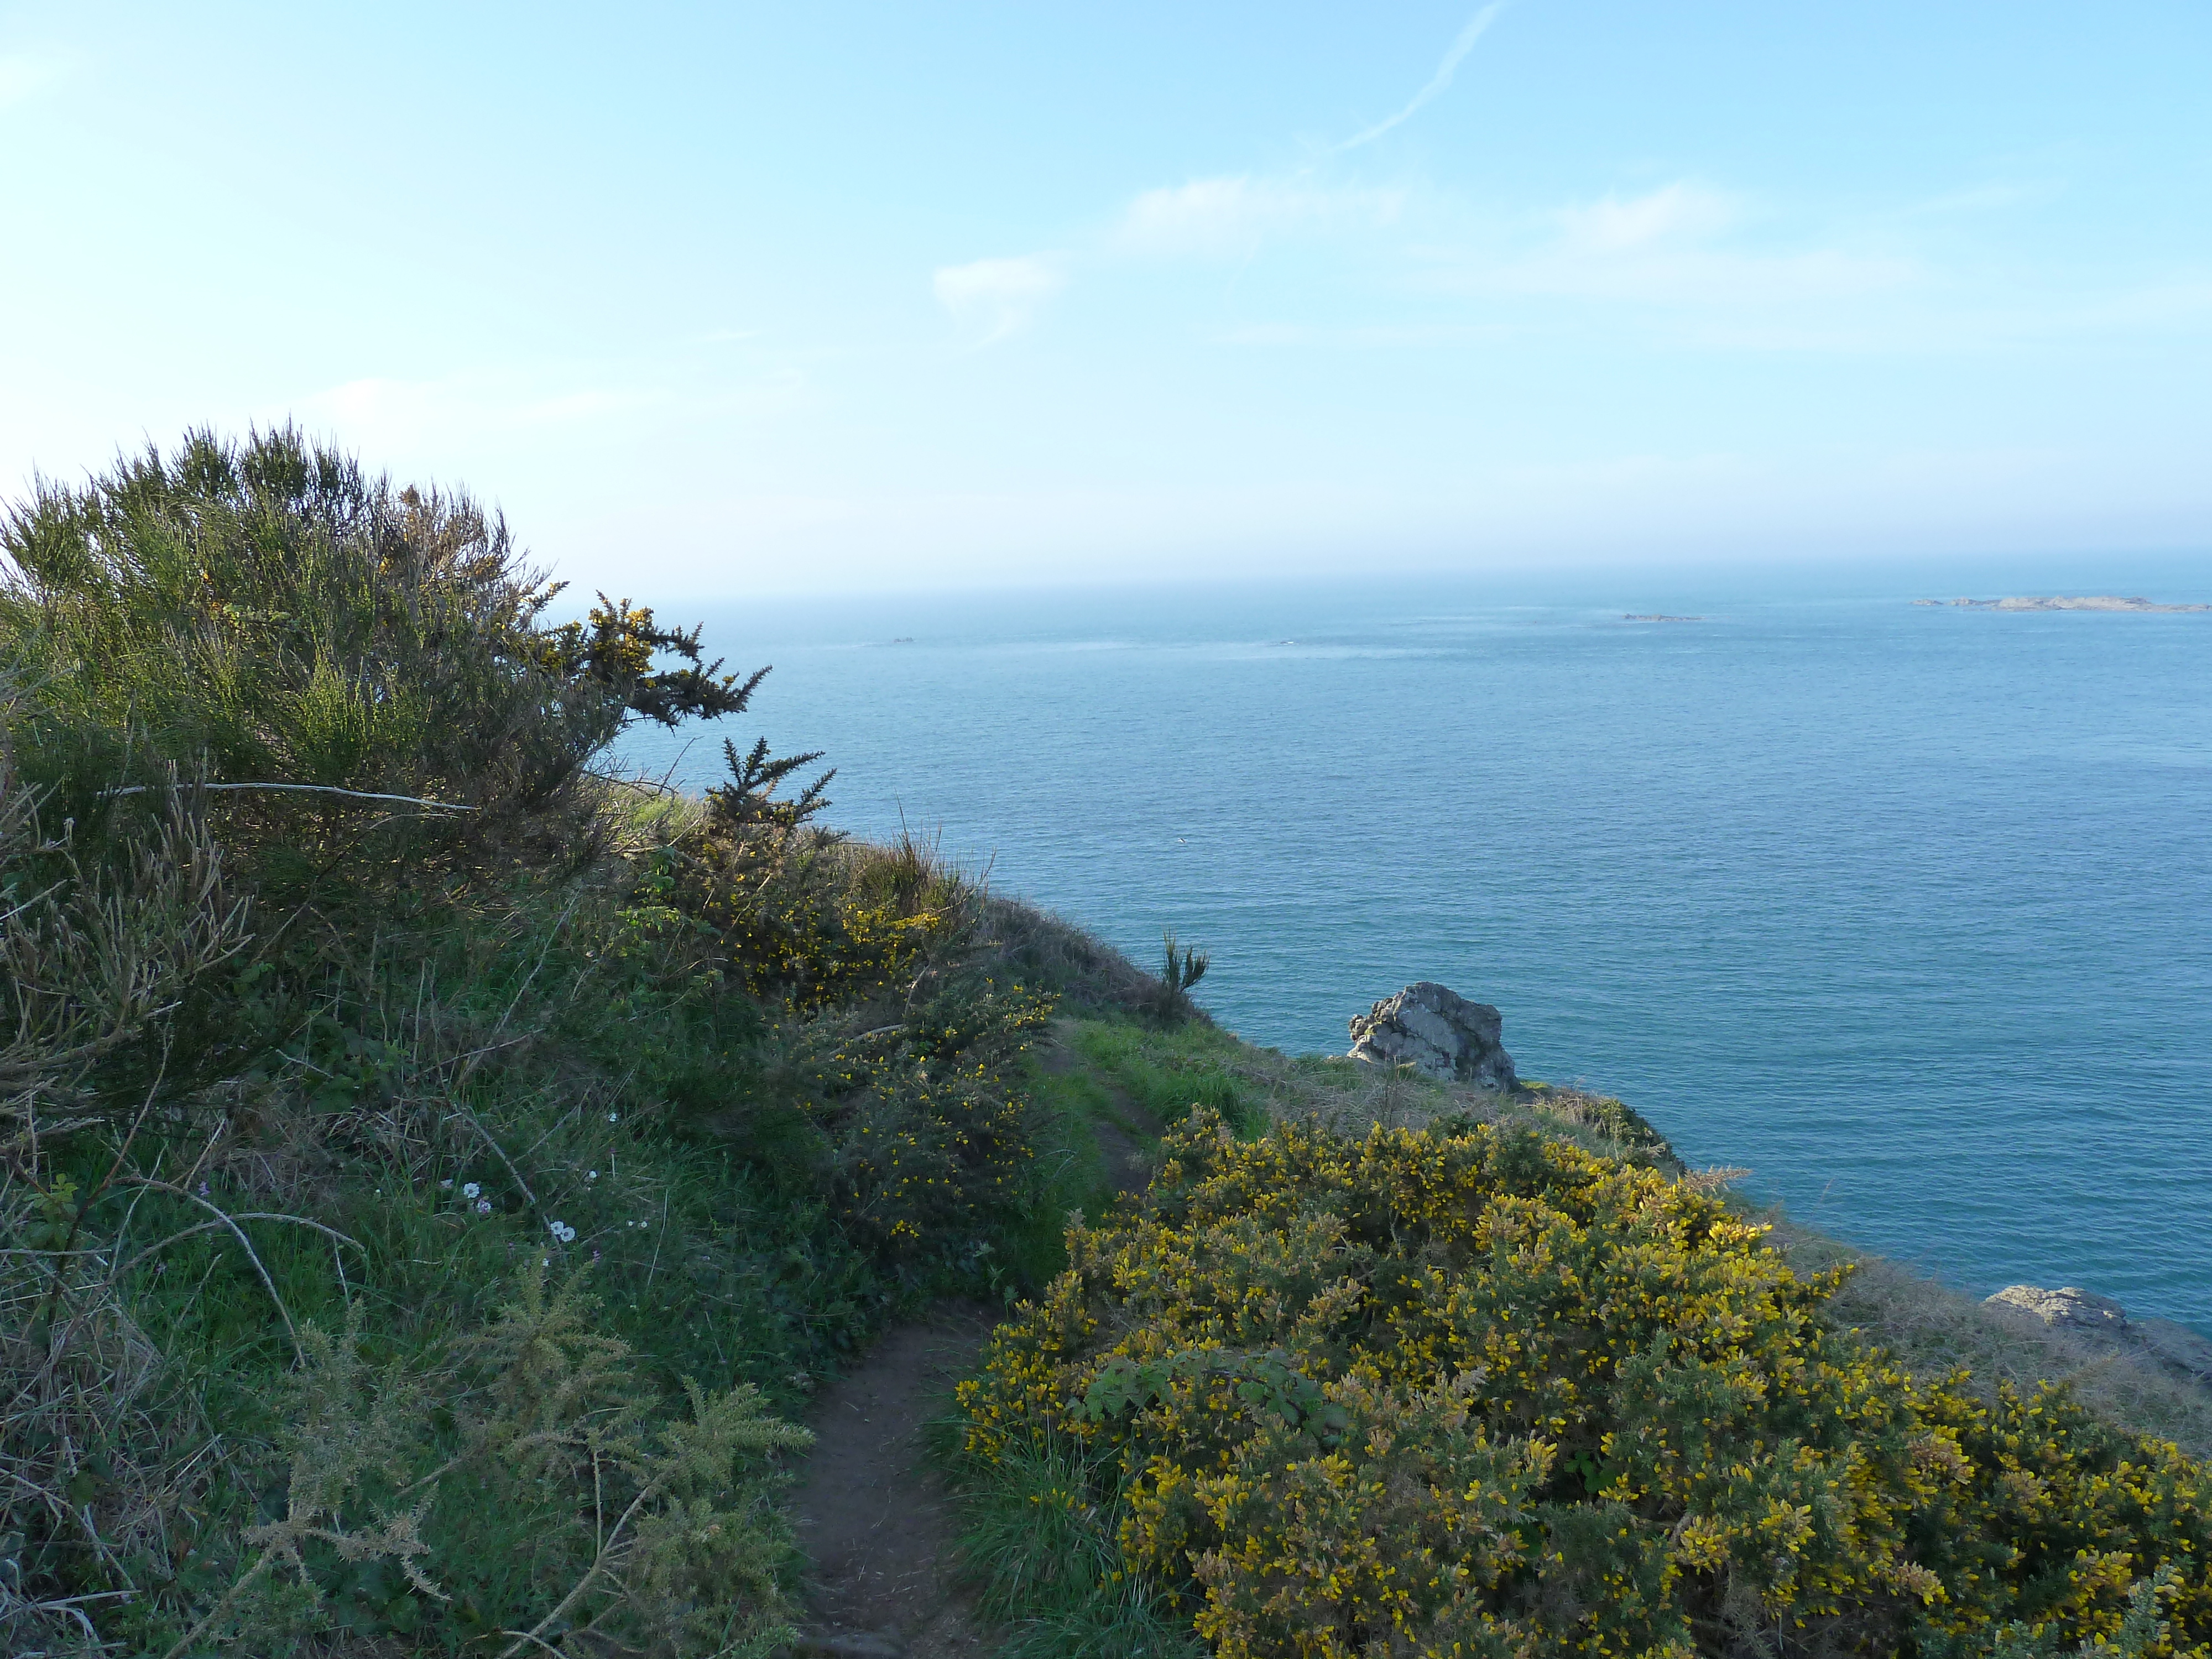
2086 602
1625 617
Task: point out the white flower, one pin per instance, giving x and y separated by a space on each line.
562 1230
446 1185
613 1116
470 1190
483 1206
591 1174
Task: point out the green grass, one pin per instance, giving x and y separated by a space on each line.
1168 1070
1047 1570
1070 1174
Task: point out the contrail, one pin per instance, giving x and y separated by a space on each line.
1459 48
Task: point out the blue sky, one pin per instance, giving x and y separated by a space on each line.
716 299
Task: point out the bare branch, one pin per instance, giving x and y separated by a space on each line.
297 789
244 1244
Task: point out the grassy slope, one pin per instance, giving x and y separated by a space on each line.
428 1169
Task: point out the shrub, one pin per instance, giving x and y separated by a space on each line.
637 1530
1472 1392
100 947
300 636
919 1131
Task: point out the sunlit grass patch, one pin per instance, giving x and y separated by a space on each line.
1170 1070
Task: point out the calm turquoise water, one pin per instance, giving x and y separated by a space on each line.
1904 908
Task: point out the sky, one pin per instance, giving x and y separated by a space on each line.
720 300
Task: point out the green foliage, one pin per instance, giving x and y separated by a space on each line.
1040 1545
1470 1390
640 1533
100 948
309 1102
1180 973
1172 1070
800 916
268 619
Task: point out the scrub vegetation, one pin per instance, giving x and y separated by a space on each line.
436 1171
1472 1388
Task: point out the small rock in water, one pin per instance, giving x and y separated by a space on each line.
1438 1032
2061 602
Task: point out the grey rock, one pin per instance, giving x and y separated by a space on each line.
2173 1348
2070 1308
2177 1346
1439 1033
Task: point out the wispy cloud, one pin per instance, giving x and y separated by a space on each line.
1462 45
1682 248
1683 211
1228 218
996 298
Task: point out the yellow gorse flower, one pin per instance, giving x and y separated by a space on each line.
1460 1392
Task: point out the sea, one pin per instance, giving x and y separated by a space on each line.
1902 907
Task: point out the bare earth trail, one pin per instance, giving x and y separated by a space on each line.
873 1513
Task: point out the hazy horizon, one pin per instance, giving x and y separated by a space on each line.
739 300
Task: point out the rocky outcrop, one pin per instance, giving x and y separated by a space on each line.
2069 1308
1439 1033
2105 1323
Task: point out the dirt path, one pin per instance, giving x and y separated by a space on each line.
873 1515
1127 1159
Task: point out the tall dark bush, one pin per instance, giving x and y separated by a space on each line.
266 617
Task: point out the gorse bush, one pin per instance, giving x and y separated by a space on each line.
804 918
100 948
1466 1391
266 618
637 1532
320 695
